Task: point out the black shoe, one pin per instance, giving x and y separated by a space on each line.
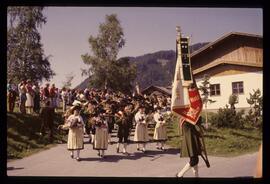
72 156
78 159
125 153
138 149
163 149
158 147
117 150
98 154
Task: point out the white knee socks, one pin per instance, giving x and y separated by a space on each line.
125 148
162 145
184 170
144 147
195 170
92 138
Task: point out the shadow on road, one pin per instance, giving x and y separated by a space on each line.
14 168
154 154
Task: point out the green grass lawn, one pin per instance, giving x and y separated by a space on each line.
222 141
23 137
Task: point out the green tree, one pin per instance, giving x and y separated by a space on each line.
255 101
205 89
25 55
122 76
104 68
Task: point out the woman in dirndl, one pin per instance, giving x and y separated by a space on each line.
100 142
160 133
75 125
29 104
141 131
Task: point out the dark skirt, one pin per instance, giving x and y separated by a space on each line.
192 141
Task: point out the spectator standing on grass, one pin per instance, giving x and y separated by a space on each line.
47 118
29 104
69 100
36 98
46 93
64 95
57 98
52 95
11 94
23 98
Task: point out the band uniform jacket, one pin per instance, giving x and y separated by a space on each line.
141 131
101 135
124 124
160 133
75 135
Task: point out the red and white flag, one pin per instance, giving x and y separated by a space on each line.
185 101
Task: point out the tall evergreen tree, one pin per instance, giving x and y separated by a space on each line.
105 71
25 55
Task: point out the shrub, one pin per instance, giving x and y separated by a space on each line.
254 116
227 117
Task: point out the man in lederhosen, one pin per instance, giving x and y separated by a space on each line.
124 126
192 146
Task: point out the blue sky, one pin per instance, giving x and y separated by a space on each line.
146 30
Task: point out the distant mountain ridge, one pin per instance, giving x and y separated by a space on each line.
154 68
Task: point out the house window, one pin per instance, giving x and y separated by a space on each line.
214 89
238 87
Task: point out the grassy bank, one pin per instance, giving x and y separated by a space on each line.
23 137
222 141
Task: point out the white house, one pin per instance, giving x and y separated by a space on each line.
234 63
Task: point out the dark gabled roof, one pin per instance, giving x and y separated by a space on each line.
158 88
227 36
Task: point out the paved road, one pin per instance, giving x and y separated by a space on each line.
155 163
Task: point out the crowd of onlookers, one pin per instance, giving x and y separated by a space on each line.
29 96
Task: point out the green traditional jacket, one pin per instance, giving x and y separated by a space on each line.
192 140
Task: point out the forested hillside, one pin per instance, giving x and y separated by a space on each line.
154 68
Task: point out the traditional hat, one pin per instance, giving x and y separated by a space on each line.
76 103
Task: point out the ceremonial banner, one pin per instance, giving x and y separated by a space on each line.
185 101
191 113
